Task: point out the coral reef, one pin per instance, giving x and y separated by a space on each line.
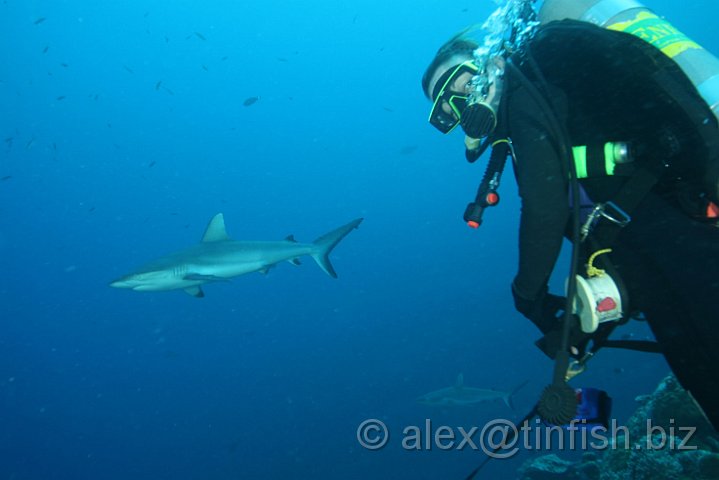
654 444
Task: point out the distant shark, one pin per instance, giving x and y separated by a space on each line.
459 395
217 258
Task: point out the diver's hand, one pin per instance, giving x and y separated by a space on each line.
545 310
551 342
478 120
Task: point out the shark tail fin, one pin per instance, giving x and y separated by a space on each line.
325 244
508 398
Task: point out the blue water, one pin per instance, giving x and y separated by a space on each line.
124 131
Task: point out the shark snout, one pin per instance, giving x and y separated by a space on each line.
126 281
121 283
423 400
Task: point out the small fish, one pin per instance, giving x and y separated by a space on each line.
6 178
282 59
249 101
205 68
44 50
39 21
54 146
152 164
91 209
224 58
64 65
128 69
158 84
200 36
61 97
387 109
168 90
146 14
30 143
9 140
167 39
409 149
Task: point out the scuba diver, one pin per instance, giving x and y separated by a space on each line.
613 146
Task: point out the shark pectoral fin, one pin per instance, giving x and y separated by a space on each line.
265 270
215 231
195 292
295 261
204 278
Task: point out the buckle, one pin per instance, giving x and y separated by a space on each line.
577 367
615 214
608 210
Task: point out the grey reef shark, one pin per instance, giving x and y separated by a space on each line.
460 395
218 258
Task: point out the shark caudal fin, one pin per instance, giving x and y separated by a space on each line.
509 396
325 244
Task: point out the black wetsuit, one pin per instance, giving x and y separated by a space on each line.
667 260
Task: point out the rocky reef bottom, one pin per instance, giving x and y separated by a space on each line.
668 437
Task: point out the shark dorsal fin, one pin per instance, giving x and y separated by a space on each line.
215 231
460 381
290 238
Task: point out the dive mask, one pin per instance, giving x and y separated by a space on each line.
449 104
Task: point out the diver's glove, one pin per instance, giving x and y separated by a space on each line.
551 342
544 310
478 120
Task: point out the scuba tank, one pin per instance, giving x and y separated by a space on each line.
630 16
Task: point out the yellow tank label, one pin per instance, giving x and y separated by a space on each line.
657 32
